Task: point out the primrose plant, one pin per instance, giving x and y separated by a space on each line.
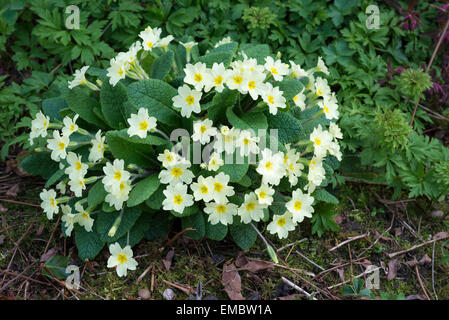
231 141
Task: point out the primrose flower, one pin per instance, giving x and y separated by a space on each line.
122 259
203 131
49 203
220 212
215 162
187 100
77 185
316 174
335 131
276 68
223 41
164 42
141 123
188 45
118 195
251 209
70 125
150 38
321 140
178 173
68 218
247 143
300 206
321 87
202 189
273 98
39 126
176 198
198 75
300 100
226 140
265 194
83 218
271 167
116 71
321 66
253 84
221 190
97 151
76 167
80 78
218 75
329 107
58 146
61 187
281 225
115 174
297 72
168 158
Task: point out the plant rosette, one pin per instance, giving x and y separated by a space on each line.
227 142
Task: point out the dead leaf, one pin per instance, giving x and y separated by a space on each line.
2 208
341 274
50 253
232 282
397 231
254 265
168 259
241 259
441 235
366 263
13 191
412 263
339 219
425 259
393 267
380 236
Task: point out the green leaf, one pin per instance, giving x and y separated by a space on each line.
243 235
195 221
112 100
82 104
137 231
236 172
151 139
105 220
143 190
224 57
162 65
39 164
156 199
288 126
52 106
216 231
122 147
259 52
220 103
156 96
159 223
54 178
252 120
96 194
290 88
57 265
323 195
188 211
89 244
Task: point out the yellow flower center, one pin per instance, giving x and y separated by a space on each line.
270 99
218 80
169 158
118 175
238 79
326 109
143 125
120 72
298 205
177 199
221 208
274 71
245 141
122 186
176 172
53 202
85 215
190 100
204 189
77 165
317 141
61 145
319 92
72 127
218 186
150 44
295 98
198 77
285 158
252 85
203 129
269 165
291 168
122 258
262 195
250 206
281 222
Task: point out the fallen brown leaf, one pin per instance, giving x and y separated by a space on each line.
441 235
2 208
232 282
13 191
168 259
393 267
50 253
425 259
